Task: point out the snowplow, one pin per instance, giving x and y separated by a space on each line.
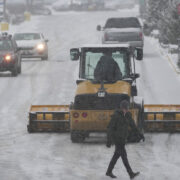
162 118
95 101
48 118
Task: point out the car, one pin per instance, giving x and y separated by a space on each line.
4 17
41 10
17 18
10 56
32 45
124 30
62 5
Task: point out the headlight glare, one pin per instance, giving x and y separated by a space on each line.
8 57
40 47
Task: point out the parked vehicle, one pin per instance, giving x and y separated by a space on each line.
17 18
33 45
10 57
36 10
124 30
62 5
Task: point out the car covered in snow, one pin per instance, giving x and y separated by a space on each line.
119 4
10 57
62 5
124 30
32 45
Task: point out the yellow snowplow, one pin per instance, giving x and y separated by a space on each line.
48 118
95 101
162 118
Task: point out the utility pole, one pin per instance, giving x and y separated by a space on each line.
27 5
4 8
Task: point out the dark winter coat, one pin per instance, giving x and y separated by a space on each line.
118 128
107 69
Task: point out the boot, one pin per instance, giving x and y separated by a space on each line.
133 175
110 174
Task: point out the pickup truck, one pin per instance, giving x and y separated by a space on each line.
124 30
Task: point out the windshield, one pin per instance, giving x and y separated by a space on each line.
122 23
27 36
92 58
5 45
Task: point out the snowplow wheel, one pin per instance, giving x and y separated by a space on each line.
19 69
29 129
134 136
77 137
141 117
14 72
45 58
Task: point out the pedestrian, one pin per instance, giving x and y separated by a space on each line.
117 134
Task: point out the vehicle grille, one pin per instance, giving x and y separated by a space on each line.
93 102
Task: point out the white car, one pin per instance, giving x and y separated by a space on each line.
62 5
32 45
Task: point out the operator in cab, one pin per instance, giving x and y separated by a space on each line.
107 69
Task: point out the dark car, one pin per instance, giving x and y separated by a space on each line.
10 57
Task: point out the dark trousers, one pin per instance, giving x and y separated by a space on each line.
119 151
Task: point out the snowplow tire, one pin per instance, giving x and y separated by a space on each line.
134 136
29 129
19 69
14 72
140 116
45 58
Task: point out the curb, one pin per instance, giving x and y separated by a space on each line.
170 61
172 64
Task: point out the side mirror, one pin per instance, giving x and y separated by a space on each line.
135 76
98 28
74 53
46 40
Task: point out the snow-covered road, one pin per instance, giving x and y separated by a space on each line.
46 156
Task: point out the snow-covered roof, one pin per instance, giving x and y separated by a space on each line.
105 46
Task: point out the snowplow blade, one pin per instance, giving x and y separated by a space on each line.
48 118
162 118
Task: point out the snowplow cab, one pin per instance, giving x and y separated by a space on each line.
96 99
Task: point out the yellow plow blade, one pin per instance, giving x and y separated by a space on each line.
48 118
162 118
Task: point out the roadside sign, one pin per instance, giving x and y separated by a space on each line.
4 27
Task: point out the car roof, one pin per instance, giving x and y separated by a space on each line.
105 46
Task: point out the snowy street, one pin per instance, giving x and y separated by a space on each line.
53 156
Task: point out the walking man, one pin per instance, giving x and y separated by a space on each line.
117 134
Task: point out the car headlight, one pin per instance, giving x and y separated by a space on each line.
8 57
40 47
